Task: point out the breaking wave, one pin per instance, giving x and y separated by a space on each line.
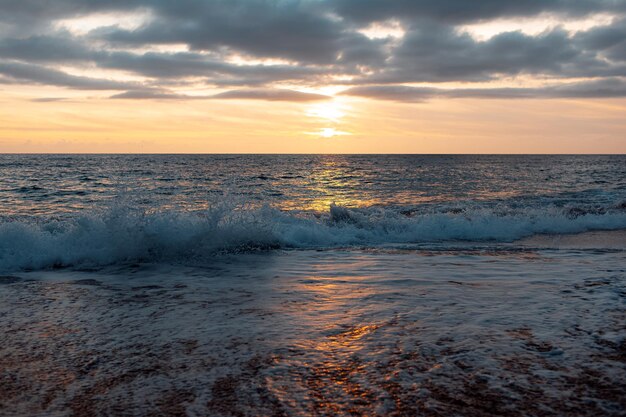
123 234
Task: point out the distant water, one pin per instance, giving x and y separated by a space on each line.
65 210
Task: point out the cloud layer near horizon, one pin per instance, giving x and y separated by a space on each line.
267 50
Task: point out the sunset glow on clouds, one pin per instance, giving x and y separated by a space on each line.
286 76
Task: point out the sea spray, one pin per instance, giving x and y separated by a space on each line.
127 234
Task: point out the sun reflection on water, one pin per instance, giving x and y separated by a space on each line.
333 181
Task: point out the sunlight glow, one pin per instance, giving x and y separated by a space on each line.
534 26
84 24
328 132
382 30
242 60
330 110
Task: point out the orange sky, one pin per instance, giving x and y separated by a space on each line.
44 106
370 126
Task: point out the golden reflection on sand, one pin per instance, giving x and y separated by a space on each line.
330 370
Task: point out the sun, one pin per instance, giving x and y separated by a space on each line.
328 113
328 132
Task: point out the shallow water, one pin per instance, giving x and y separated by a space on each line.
392 332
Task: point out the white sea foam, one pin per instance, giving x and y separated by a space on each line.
122 234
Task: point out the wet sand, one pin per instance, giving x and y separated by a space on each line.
477 332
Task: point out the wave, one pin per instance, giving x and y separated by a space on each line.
123 234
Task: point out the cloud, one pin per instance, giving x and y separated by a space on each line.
271 95
463 11
393 92
59 46
262 44
359 10
247 94
151 95
293 30
16 72
435 53
62 48
37 11
606 88
213 69
48 99
429 52
282 10
609 40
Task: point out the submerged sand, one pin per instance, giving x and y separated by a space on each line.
520 331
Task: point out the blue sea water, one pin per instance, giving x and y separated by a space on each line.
68 210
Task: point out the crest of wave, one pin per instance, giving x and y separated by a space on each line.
124 234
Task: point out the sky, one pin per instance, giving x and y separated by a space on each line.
313 76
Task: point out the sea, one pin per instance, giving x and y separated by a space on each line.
247 285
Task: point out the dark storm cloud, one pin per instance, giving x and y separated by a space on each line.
294 30
319 40
63 48
609 40
432 52
360 10
59 46
429 52
463 11
214 69
21 11
607 88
